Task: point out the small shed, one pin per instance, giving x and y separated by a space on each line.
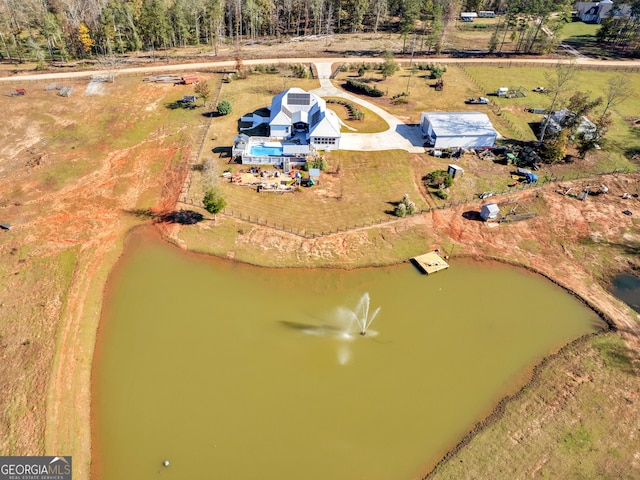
489 211
189 79
240 145
314 174
455 171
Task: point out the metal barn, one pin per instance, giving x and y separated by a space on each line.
457 129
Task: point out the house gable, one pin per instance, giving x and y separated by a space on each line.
295 111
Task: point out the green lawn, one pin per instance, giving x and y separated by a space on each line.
575 30
622 138
358 189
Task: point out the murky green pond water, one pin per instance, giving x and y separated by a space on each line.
627 288
236 372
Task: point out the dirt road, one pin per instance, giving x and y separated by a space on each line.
230 64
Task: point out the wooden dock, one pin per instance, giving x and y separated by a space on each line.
430 263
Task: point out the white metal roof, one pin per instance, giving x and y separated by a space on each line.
452 124
328 126
491 207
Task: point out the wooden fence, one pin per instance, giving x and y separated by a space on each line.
497 197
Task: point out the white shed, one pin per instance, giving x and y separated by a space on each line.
458 129
455 170
489 211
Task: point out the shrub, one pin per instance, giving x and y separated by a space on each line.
437 72
389 67
300 71
354 112
316 162
361 87
438 177
400 98
400 210
405 207
441 194
214 202
224 108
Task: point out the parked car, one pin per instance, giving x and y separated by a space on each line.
476 101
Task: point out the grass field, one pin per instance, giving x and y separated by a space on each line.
358 187
563 425
341 201
574 31
622 139
76 171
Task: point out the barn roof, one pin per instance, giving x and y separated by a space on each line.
452 124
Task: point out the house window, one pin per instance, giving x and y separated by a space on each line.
325 141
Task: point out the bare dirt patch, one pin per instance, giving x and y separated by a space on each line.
66 186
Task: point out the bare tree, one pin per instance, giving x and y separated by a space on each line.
559 84
618 90
110 65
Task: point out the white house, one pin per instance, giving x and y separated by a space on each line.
296 114
595 12
457 129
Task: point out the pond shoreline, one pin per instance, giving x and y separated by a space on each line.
146 230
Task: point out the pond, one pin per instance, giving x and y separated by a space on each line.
238 372
626 287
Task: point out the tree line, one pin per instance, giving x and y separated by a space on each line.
60 30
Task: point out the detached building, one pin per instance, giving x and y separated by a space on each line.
457 129
489 211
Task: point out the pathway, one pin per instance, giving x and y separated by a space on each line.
399 135
264 61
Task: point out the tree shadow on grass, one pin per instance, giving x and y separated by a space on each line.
178 104
183 217
472 215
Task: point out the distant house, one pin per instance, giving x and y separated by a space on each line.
296 114
489 211
457 129
595 12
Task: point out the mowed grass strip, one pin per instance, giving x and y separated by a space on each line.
358 190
